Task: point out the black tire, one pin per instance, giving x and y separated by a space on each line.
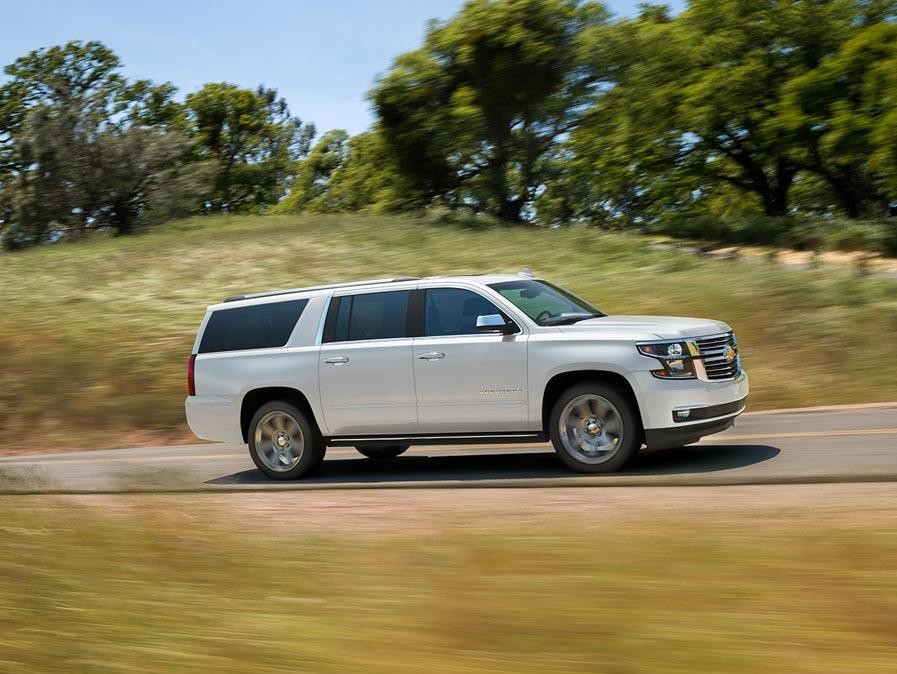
629 439
389 452
313 448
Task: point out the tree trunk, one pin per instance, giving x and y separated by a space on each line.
847 196
498 184
510 210
775 203
775 192
851 188
507 207
123 218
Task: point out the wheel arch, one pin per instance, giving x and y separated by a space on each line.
255 398
563 380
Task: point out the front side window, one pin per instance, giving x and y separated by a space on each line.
260 326
544 303
370 316
454 311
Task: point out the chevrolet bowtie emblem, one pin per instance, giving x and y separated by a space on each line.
731 352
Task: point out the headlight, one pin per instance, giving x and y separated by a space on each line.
664 349
674 356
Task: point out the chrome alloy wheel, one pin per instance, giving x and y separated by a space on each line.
591 428
279 441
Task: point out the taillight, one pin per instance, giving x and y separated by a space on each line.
191 382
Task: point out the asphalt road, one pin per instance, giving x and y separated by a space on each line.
844 444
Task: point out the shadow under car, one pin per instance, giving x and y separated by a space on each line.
473 467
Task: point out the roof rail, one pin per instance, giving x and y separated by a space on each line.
328 286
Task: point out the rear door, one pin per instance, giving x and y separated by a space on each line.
365 371
467 381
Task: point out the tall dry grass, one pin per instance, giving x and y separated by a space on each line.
94 336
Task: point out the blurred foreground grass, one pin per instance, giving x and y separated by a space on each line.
184 587
94 336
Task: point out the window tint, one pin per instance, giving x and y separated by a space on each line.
257 327
371 316
453 311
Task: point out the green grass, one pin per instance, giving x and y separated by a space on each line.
94 336
185 587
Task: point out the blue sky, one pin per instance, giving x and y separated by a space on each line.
322 55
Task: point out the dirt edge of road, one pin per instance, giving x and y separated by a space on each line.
424 510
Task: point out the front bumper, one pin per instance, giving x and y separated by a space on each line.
714 407
665 438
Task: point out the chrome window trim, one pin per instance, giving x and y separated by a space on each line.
350 342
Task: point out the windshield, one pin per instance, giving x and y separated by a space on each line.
544 303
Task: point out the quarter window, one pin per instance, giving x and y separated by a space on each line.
261 326
370 316
454 311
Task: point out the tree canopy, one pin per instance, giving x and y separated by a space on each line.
82 149
251 137
729 97
471 118
523 111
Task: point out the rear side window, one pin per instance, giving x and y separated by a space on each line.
257 327
368 316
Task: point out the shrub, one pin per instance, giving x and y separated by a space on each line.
787 232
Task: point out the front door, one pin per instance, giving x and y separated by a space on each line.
365 367
467 381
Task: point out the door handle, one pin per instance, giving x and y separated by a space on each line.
431 355
337 360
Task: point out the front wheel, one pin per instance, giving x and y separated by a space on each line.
283 443
594 428
390 452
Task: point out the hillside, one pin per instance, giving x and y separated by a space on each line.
94 336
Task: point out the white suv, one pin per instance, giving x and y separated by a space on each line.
384 364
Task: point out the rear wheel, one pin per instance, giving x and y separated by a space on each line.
594 428
283 443
389 452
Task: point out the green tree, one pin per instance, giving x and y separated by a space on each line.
366 179
471 118
86 178
844 112
83 149
747 54
314 172
252 138
343 174
624 163
703 100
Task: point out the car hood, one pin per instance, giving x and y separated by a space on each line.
646 327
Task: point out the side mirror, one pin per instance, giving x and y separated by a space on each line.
495 323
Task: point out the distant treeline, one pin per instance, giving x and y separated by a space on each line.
747 120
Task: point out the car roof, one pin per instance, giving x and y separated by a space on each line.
396 282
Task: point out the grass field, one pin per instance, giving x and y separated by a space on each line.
155 584
94 336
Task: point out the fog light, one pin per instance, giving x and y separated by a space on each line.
682 415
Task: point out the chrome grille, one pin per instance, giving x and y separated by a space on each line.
716 352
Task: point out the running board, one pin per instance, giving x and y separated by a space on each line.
433 439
